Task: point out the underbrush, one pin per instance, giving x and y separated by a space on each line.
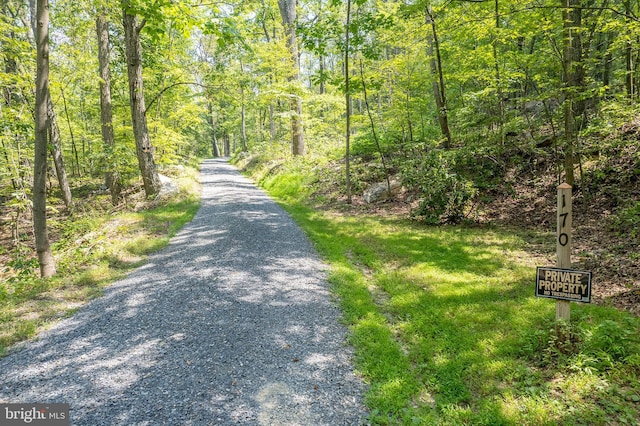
93 244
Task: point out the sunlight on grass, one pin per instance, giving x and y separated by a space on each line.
92 250
93 276
447 329
144 245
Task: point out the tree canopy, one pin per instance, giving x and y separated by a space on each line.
445 94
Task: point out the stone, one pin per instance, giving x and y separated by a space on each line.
169 186
380 191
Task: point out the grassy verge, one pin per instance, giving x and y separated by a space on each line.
447 330
93 247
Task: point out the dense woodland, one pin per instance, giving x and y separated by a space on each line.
458 100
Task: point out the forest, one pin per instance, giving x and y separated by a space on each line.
456 100
468 112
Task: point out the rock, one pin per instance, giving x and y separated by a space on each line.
380 191
169 186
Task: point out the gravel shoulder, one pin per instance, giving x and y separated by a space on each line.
232 323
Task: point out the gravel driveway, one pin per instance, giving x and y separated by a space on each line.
232 323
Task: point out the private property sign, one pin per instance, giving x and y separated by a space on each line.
563 284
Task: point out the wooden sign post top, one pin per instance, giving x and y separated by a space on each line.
563 247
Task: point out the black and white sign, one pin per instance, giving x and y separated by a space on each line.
563 284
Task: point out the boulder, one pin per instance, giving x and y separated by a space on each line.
169 186
380 191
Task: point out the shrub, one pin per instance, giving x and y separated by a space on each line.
444 192
627 220
611 341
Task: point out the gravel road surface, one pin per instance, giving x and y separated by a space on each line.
232 323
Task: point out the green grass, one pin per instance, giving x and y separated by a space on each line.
92 249
447 330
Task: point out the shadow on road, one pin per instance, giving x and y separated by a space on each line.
231 323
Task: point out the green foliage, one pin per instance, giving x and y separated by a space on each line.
444 192
21 267
627 220
234 58
584 346
613 342
484 165
291 184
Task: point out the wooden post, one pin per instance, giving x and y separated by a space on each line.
563 250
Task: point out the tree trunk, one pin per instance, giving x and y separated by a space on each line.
111 176
53 131
407 105
288 13
347 96
243 114
438 78
628 54
272 119
144 152
10 68
10 62
322 88
608 60
214 140
373 130
55 147
33 16
243 124
45 256
498 78
227 145
573 76
272 122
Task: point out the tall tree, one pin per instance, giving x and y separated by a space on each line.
55 146
144 151
264 16
289 21
10 89
347 95
9 57
55 142
112 177
498 78
214 139
630 83
573 76
433 46
243 107
43 248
